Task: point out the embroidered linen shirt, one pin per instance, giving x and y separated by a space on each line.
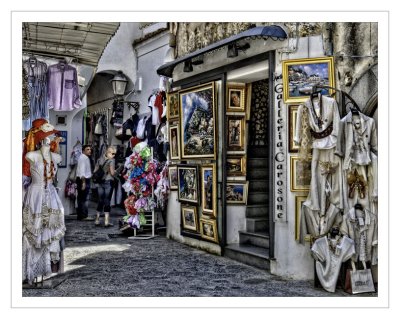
63 90
328 262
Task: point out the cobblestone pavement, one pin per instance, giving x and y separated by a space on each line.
101 262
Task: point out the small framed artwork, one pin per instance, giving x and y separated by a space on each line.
173 105
299 202
293 148
236 131
301 76
188 184
174 147
236 165
189 218
197 122
236 98
300 174
236 193
208 229
209 189
173 177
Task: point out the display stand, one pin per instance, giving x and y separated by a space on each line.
135 236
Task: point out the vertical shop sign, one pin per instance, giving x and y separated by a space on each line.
280 163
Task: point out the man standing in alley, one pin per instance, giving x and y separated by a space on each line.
83 176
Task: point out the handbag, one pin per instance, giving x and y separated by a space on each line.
360 281
72 173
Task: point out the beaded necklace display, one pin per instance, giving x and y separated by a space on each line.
45 175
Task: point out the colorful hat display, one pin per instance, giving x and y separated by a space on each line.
40 129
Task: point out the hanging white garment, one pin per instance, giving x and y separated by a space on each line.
329 259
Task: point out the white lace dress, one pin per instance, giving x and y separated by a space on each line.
42 220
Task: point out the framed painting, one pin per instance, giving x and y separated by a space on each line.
236 165
189 218
173 177
208 229
197 122
209 189
188 184
174 148
302 76
293 148
299 202
300 174
236 132
236 101
236 193
173 105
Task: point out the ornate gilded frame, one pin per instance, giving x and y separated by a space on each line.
294 82
209 170
173 105
208 229
186 211
300 174
239 91
198 137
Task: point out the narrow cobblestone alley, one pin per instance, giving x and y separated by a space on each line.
101 262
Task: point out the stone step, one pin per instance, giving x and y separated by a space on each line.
257 224
256 211
257 174
257 198
257 162
258 186
259 239
249 255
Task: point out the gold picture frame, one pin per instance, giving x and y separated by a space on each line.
173 105
198 120
236 192
299 200
249 88
236 165
300 76
208 229
174 142
293 109
189 218
209 189
236 133
236 98
173 177
188 184
300 174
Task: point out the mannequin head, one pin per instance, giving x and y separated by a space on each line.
45 142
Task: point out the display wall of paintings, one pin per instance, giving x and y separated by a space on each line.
173 105
300 174
209 190
208 229
189 218
174 144
236 165
173 177
299 202
236 133
236 192
301 76
197 122
236 98
188 184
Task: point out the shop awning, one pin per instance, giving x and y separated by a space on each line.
84 42
274 32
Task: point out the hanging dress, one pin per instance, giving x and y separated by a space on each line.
42 219
322 208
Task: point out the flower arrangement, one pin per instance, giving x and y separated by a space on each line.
141 175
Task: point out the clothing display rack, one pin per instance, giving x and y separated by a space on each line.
135 235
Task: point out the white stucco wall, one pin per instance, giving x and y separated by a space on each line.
293 260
